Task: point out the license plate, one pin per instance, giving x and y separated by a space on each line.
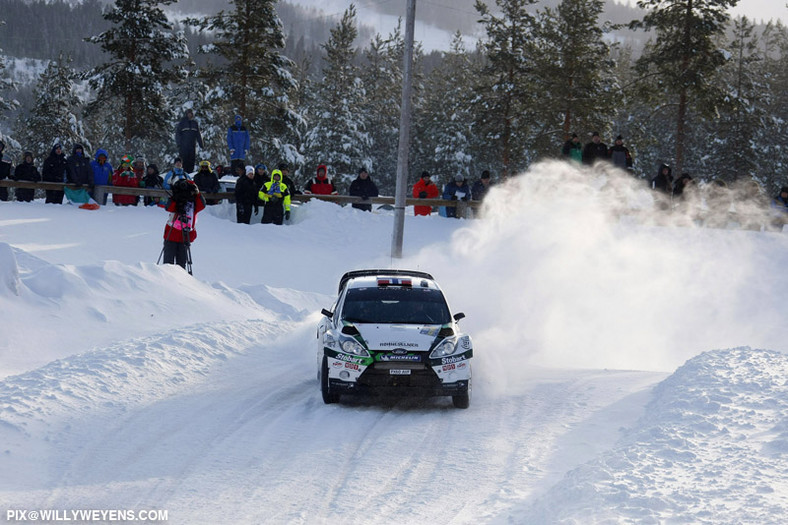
398 372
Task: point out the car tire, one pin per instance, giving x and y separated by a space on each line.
328 396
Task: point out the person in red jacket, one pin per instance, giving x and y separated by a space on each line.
424 189
179 232
320 185
125 176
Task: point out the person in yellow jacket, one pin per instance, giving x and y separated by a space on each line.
276 198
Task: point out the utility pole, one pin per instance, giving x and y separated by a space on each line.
404 135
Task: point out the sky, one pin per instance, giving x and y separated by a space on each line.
629 365
762 9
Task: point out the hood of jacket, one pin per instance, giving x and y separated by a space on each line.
75 147
101 152
663 166
325 172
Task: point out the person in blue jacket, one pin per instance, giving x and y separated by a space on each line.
102 173
238 139
456 190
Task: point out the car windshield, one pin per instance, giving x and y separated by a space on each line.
396 305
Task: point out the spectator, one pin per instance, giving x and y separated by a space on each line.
456 190
184 206
187 137
78 169
424 189
663 181
102 173
138 167
153 181
320 185
246 196
594 150
175 174
619 155
261 176
54 170
5 172
207 181
481 187
780 209
573 149
26 171
276 199
238 140
682 184
284 167
124 176
363 187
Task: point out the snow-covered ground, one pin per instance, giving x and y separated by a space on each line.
619 376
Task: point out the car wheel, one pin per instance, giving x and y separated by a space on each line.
328 396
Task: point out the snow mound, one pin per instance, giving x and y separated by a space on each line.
9 271
729 404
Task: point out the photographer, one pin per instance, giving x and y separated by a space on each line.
179 233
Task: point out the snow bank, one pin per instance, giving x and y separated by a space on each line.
711 447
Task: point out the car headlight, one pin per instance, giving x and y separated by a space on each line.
446 347
353 347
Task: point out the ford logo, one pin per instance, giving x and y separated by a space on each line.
399 351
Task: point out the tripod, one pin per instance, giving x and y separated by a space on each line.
186 243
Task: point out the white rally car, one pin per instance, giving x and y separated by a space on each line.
391 332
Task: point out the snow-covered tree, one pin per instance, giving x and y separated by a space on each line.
5 85
144 55
54 117
684 57
382 78
506 109
338 136
445 123
573 70
250 76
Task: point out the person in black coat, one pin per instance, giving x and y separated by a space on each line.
187 137
78 170
207 181
26 171
363 187
153 180
663 181
594 150
5 172
54 170
246 196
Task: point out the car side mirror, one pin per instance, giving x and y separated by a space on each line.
458 316
327 313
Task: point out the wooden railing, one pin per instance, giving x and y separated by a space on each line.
99 192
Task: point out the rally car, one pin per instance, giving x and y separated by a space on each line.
392 332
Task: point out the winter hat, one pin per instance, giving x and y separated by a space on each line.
784 189
459 177
261 165
595 134
205 164
250 169
362 169
425 174
283 166
177 160
619 137
574 135
57 146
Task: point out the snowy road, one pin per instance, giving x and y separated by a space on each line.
246 438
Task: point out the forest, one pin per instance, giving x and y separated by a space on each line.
681 81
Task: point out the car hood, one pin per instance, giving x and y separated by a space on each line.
411 337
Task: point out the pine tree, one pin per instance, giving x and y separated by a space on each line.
573 71
382 79
252 77
5 85
338 134
736 151
684 56
445 124
505 111
772 137
143 53
54 115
